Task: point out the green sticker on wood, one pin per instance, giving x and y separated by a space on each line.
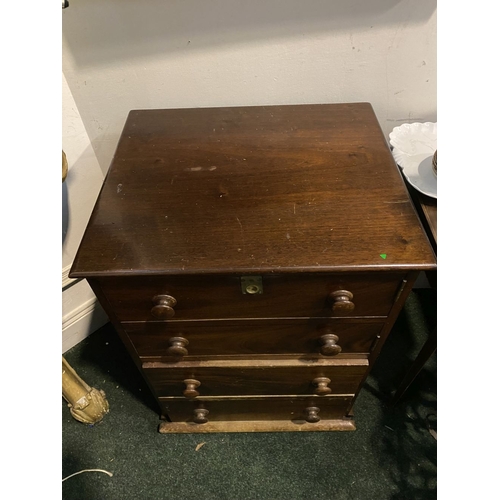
383 255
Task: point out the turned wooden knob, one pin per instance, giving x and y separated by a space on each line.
322 386
191 384
178 346
329 346
312 414
163 306
200 415
342 302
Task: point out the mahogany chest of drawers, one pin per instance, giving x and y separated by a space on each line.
253 261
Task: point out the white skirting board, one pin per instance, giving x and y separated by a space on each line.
82 314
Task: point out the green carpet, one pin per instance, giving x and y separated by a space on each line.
391 455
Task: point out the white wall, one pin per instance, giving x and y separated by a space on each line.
123 54
81 314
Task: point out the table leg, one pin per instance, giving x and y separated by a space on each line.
426 352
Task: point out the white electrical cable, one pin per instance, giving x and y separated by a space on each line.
110 474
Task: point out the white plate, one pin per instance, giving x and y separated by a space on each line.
414 145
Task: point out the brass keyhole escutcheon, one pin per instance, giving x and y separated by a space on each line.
251 285
252 289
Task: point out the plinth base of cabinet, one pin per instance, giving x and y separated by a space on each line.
256 426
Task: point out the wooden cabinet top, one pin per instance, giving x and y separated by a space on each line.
305 188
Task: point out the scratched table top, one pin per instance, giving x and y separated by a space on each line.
306 188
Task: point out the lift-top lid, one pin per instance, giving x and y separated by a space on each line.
305 188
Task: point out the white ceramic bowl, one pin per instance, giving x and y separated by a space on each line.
414 145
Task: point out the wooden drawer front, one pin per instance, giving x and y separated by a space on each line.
190 339
257 378
219 297
243 409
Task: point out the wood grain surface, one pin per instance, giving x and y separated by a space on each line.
340 424
249 338
291 409
206 297
237 378
252 189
